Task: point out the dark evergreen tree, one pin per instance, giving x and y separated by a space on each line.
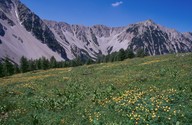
121 55
89 61
60 64
1 70
106 58
140 53
112 57
8 68
24 64
79 61
5 70
115 56
129 53
72 63
16 69
38 64
32 65
53 62
44 63
65 64
99 59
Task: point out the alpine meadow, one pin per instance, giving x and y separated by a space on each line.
95 72
150 90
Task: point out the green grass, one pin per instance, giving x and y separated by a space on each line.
151 90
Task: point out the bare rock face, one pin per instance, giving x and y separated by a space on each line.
157 40
2 32
6 5
153 38
25 34
188 35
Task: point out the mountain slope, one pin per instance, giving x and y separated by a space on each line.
153 38
19 39
23 33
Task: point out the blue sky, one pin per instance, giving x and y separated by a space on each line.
175 14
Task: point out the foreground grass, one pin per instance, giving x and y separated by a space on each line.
151 90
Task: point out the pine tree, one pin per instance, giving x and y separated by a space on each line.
32 65
16 69
1 70
8 68
72 63
89 61
105 59
60 64
24 64
129 53
65 64
112 57
99 59
121 55
140 53
53 62
38 64
44 63
79 62
102 59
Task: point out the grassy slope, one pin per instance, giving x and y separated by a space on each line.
151 90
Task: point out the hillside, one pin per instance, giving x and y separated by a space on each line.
150 90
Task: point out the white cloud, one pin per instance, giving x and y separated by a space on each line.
116 4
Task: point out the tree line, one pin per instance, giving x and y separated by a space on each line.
120 55
8 67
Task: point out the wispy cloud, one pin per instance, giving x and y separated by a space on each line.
116 4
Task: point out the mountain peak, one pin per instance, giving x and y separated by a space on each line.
149 22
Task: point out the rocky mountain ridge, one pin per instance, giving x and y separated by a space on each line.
99 39
23 33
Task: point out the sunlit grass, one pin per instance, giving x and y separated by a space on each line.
150 90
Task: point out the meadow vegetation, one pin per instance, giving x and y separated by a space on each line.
151 90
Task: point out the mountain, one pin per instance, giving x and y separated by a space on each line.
23 33
153 38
